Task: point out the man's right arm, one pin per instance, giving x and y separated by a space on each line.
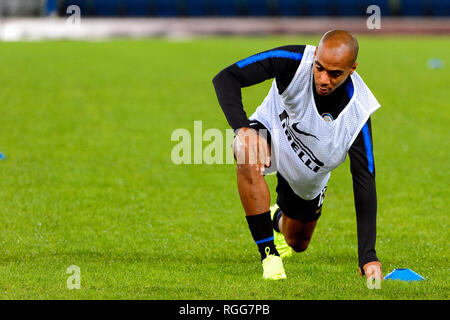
280 63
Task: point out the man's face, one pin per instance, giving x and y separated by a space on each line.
331 68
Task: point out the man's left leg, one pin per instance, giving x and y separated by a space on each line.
296 218
296 233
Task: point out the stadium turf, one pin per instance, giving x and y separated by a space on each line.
88 178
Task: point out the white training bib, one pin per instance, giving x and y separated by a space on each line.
307 147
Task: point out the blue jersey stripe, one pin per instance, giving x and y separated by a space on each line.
350 89
368 145
270 54
264 240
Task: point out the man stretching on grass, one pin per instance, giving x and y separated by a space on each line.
317 110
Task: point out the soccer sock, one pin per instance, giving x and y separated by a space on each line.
261 229
276 220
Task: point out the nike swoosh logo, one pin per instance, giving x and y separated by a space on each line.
294 126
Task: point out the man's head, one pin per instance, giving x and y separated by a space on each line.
334 60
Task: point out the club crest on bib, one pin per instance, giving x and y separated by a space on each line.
327 117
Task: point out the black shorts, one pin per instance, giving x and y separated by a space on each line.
295 207
292 205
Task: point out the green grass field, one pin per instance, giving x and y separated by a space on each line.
88 179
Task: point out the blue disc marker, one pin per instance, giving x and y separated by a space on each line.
435 63
404 275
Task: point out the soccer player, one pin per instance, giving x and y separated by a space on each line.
317 110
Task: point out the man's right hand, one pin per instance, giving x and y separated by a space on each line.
251 148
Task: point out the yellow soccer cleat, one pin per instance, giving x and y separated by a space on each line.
283 248
273 267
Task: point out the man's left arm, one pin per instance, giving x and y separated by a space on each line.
362 167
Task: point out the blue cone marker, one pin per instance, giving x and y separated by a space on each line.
2 156
435 63
404 275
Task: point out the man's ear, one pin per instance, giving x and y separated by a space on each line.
353 67
315 51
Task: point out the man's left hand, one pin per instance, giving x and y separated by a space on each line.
373 270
